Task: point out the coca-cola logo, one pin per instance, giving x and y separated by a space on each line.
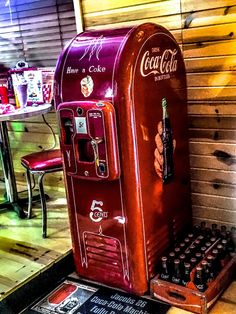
164 63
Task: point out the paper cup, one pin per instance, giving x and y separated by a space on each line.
21 95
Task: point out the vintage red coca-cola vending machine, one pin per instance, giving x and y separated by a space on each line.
120 97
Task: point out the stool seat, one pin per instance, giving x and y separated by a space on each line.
43 161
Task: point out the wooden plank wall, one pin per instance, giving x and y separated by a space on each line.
206 32
33 135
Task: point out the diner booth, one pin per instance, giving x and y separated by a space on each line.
117 146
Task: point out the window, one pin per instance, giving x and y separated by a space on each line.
34 31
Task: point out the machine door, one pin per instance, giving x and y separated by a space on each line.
89 140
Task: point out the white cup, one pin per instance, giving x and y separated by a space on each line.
21 94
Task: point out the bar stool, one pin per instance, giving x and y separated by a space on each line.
39 164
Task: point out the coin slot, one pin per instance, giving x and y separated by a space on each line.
80 111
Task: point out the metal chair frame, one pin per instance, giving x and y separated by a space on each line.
40 175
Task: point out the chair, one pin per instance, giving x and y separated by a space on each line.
41 163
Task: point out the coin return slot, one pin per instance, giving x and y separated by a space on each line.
102 167
85 150
68 131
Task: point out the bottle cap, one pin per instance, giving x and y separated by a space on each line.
164 258
171 254
187 265
193 260
177 250
164 103
176 261
204 263
198 268
187 252
215 252
210 258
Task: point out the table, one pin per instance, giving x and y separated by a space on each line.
13 202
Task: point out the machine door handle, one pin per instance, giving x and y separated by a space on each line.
94 143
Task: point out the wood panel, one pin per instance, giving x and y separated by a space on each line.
213 188
171 22
189 5
214 201
199 148
214 64
216 122
219 214
217 42
224 162
212 108
90 6
212 79
212 93
31 127
24 254
212 175
210 49
50 118
222 15
211 33
215 135
142 11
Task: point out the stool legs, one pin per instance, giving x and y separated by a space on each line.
43 204
29 186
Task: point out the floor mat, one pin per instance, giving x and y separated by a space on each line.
75 296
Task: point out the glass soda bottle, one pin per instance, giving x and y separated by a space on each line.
199 279
186 274
165 275
168 160
176 278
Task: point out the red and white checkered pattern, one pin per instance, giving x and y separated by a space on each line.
47 93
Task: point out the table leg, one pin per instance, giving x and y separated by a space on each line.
8 171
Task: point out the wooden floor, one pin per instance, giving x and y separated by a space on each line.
23 251
24 254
